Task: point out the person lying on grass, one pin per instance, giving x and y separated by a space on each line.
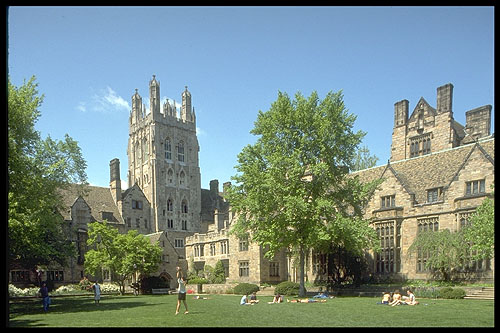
306 300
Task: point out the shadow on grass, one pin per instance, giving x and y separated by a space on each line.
76 304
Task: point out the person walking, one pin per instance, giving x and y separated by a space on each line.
181 295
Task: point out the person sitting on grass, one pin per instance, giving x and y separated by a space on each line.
253 298
396 298
276 299
410 299
244 300
386 298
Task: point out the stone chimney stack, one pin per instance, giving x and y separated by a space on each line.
214 187
444 98
114 180
478 122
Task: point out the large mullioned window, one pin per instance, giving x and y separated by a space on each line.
388 260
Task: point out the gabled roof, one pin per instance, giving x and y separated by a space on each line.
438 169
99 199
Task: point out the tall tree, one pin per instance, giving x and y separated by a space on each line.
363 160
292 189
480 233
122 254
37 170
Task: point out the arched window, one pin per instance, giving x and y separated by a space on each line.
170 205
182 178
184 207
145 149
168 149
137 152
180 151
170 177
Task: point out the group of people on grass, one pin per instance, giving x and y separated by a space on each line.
397 299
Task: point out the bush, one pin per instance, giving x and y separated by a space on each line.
450 293
288 288
246 288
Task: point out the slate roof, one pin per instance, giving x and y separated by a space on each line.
434 170
209 202
98 198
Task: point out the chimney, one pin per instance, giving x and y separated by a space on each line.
214 187
114 180
444 98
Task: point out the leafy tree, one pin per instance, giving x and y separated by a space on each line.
363 160
122 254
293 190
445 251
37 170
480 234
219 273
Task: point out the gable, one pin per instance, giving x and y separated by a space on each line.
422 105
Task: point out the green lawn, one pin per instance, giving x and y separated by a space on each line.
224 310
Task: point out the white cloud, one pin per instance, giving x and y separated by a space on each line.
200 132
81 107
108 100
114 100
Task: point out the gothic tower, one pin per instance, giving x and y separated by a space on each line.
163 161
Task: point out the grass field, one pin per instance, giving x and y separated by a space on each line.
224 310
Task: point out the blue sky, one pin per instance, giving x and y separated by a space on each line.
88 61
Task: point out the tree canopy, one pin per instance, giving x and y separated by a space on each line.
292 190
37 170
122 254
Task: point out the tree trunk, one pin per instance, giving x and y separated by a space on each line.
302 289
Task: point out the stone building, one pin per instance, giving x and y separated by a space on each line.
163 199
438 174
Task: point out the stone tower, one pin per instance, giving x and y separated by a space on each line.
163 161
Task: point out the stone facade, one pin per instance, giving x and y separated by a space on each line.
425 184
438 174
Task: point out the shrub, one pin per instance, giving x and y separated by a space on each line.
246 288
110 288
62 290
17 292
450 293
288 288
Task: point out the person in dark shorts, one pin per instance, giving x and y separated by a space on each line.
181 291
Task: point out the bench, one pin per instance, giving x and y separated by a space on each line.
160 291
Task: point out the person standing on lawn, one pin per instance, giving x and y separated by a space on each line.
181 291
44 293
97 292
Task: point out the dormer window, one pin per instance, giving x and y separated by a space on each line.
434 194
